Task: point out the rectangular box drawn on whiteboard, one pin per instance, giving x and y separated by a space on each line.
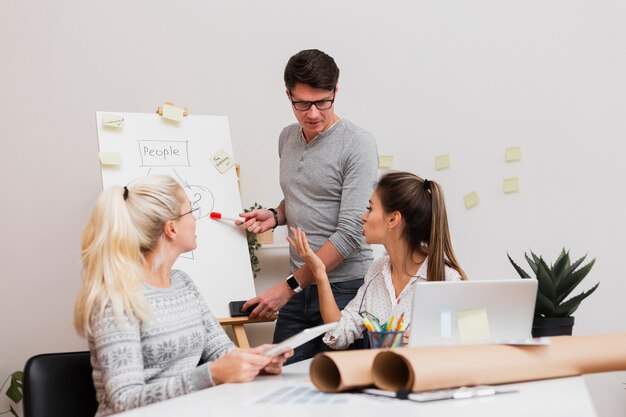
164 153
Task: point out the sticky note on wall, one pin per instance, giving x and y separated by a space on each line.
470 200
442 162
510 185
112 120
110 158
385 161
473 325
513 154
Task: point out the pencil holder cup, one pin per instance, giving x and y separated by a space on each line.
388 339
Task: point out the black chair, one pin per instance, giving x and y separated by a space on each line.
59 385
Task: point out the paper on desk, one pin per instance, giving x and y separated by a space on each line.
340 371
438 367
305 394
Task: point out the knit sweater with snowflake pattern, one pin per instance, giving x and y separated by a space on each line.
136 363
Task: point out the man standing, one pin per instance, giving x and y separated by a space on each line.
328 169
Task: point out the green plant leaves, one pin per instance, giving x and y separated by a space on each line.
14 392
253 243
543 306
569 307
519 270
546 280
556 282
569 282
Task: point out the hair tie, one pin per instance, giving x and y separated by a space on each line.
125 193
426 184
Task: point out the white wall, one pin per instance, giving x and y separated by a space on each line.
458 77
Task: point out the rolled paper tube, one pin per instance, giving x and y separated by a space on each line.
439 367
341 371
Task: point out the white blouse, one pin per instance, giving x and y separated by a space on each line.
377 297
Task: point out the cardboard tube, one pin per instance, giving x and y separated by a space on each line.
439 367
341 371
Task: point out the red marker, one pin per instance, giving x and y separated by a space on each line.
218 216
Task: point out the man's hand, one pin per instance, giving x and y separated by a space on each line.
270 301
257 221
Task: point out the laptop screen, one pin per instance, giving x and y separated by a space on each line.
454 312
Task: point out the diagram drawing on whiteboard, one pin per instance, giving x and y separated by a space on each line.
166 156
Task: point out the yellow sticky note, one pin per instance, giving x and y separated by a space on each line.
473 325
222 161
471 199
385 161
173 113
511 185
110 158
442 162
513 154
112 120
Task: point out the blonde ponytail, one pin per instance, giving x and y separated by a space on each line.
124 226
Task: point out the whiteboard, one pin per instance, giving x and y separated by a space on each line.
152 145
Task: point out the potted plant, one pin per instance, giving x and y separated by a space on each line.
553 309
14 391
253 243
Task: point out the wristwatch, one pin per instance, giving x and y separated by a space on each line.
275 213
293 284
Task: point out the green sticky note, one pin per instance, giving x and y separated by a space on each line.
513 154
511 185
471 200
473 325
442 162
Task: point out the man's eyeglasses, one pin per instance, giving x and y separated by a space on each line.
195 212
306 105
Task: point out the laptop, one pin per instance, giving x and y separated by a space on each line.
470 312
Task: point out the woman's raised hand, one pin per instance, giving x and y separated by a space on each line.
300 244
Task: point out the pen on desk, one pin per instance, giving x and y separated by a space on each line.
218 216
438 395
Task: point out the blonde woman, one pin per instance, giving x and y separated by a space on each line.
407 214
151 335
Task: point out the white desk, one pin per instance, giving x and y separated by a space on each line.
564 397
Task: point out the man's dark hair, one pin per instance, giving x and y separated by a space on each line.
311 67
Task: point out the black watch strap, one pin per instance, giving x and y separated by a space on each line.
275 213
